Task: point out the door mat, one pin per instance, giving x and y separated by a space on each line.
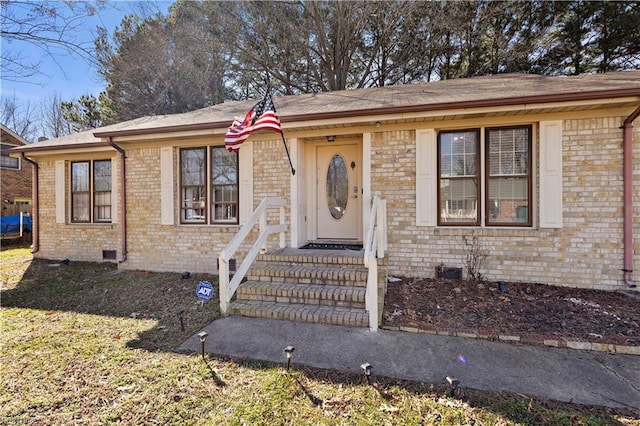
332 246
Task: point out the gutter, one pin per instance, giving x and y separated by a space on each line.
36 204
627 208
123 199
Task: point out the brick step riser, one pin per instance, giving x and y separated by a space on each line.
318 263
314 259
316 317
330 298
311 263
303 301
310 279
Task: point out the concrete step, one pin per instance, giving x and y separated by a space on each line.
306 274
301 313
308 294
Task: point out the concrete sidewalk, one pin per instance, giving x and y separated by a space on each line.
584 377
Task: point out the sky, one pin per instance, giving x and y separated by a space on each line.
61 74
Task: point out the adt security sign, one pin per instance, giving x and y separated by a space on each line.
204 290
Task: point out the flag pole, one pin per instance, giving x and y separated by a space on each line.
284 141
293 171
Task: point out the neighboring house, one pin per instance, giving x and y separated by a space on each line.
16 175
542 170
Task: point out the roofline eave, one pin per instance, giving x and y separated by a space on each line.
28 149
492 102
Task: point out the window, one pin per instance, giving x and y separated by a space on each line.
7 162
224 185
509 176
208 185
102 191
458 171
506 190
91 191
193 167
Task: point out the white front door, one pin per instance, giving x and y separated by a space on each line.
339 192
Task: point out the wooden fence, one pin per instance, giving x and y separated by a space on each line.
13 209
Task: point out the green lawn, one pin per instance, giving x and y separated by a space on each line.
86 343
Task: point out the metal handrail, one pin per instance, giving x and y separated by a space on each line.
228 287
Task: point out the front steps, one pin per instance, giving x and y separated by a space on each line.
317 286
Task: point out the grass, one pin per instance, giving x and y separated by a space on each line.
86 343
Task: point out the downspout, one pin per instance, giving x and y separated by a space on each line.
36 204
123 199
627 209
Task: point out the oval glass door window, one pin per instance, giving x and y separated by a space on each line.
337 187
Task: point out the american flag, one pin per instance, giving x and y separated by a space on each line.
261 117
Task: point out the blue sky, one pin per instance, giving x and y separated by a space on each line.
68 76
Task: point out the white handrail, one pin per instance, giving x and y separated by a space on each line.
375 246
228 287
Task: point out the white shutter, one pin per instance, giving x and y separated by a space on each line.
245 168
551 174
166 186
60 193
426 177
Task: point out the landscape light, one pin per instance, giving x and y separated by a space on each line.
203 338
180 314
366 367
453 385
289 353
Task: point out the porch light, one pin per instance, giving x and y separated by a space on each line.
453 385
289 353
180 315
203 338
366 368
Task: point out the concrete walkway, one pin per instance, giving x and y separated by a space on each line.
584 377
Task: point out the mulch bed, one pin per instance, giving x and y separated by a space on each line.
532 311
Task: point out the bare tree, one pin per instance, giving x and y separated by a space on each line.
21 119
52 121
50 27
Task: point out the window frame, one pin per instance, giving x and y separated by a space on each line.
528 175
483 167
95 207
478 177
6 157
90 192
212 188
183 207
208 189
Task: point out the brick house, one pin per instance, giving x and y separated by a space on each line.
541 170
16 175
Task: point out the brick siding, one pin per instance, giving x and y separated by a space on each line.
586 252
